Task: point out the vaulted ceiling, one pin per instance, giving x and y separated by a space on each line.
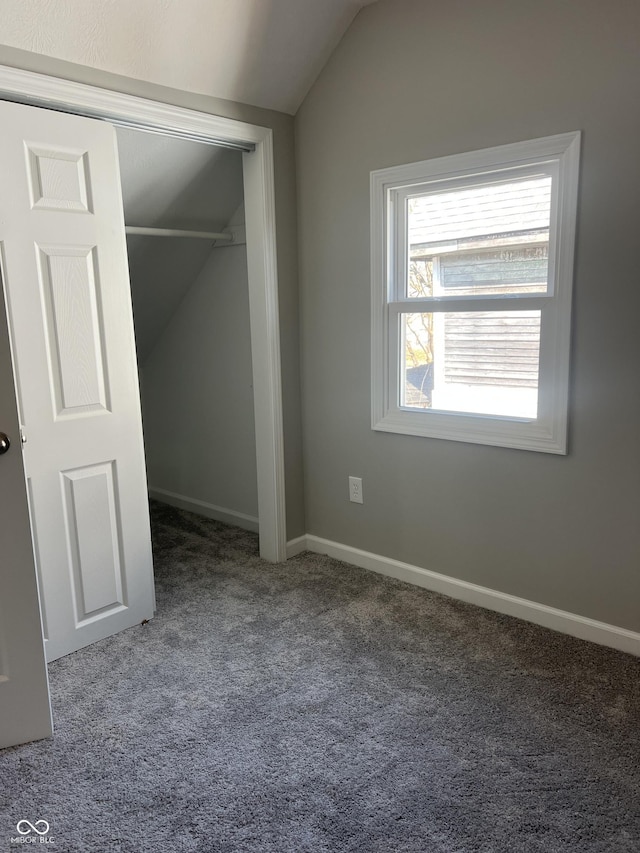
265 53
261 52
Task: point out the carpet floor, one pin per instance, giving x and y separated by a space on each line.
312 706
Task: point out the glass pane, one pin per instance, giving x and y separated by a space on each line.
481 240
478 362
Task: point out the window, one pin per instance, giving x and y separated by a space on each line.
472 268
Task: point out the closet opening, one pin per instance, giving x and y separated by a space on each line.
257 146
184 213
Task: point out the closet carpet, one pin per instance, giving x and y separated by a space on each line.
311 706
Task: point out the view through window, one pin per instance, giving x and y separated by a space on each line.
490 241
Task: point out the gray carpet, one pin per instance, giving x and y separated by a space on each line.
314 707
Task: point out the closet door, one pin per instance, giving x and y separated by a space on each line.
24 693
68 300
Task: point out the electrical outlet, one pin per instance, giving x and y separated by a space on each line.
355 490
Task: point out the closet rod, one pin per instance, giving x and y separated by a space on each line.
174 232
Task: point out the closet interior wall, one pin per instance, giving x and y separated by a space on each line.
191 315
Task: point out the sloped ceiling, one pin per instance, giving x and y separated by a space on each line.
261 52
171 183
176 183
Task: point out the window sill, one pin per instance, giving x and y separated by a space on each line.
477 429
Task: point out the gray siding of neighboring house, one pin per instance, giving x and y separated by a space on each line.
490 348
493 348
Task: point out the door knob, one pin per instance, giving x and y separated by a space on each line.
5 444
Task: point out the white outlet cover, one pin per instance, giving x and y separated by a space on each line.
355 490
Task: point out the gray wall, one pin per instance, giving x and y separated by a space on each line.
413 80
286 226
197 392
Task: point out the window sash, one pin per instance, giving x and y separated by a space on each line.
499 302
395 378
398 218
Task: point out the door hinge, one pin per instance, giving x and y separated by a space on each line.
23 436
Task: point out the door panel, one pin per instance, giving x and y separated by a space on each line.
69 306
94 540
75 335
58 179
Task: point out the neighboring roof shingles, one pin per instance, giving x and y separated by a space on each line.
475 211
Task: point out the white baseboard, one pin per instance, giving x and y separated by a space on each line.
297 546
531 611
549 617
218 513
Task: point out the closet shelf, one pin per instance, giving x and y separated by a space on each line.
174 232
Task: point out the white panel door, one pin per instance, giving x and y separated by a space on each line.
24 694
68 300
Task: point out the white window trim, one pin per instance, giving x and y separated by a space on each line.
548 432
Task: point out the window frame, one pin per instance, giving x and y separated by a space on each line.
390 188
